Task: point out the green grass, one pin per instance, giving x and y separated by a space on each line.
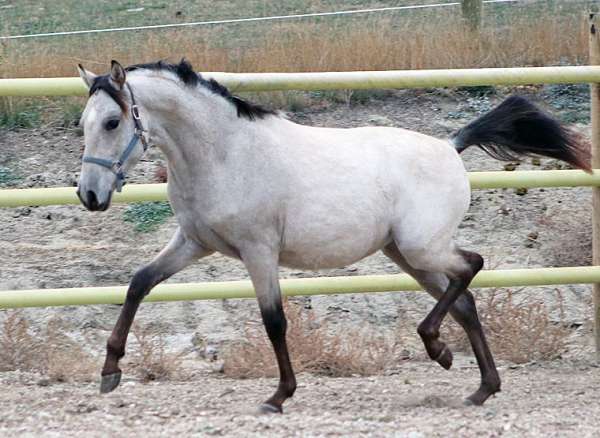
33 16
26 113
8 177
147 216
19 114
70 113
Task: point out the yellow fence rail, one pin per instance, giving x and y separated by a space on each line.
158 192
239 82
290 287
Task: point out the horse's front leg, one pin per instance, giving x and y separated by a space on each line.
262 265
179 253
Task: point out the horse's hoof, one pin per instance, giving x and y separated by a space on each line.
468 402
110 382
445 358
474 401
477 399
267 408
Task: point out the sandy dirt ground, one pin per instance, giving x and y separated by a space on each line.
419 400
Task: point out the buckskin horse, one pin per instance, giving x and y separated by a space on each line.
253 185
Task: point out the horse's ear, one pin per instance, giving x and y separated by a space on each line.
117 75
87 76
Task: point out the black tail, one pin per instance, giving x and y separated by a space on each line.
517 127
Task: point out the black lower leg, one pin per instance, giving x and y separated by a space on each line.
276 325
140 285
429 329
464 311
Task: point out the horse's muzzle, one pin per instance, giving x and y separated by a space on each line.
90 201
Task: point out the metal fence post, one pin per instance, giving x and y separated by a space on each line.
472 11
595 118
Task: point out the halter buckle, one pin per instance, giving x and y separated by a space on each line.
116 166
135 112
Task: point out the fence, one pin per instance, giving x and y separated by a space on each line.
312 81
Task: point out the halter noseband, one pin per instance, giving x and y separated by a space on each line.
116 167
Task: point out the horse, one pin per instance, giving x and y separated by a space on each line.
250 184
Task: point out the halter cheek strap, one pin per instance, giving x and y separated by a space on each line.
116 167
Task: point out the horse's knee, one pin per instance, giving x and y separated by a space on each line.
141 283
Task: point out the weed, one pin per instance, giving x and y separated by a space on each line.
19 115
8 177
517 331
18 348
362 97
147 216
478 91
313 348
70 114
52 352
150 359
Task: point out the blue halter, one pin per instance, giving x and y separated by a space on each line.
116 167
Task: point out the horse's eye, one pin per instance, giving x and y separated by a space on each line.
112 124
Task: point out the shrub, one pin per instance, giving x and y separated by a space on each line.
51 353
516 331
313 348
150 359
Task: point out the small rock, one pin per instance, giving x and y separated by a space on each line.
521 191
533 235
43 382
20 212
378 120
504 210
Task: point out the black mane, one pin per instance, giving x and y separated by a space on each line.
189 77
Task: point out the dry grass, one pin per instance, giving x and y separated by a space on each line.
441 41
369 44
313 348
51 353
518 331
150 360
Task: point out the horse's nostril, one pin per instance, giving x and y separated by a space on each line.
92 200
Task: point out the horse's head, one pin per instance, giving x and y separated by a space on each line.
113 135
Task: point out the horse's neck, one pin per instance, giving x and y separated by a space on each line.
187 125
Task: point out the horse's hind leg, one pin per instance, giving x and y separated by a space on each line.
460 276
464 312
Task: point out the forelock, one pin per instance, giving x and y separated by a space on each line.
102 83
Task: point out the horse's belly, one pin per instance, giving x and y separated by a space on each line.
325 246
